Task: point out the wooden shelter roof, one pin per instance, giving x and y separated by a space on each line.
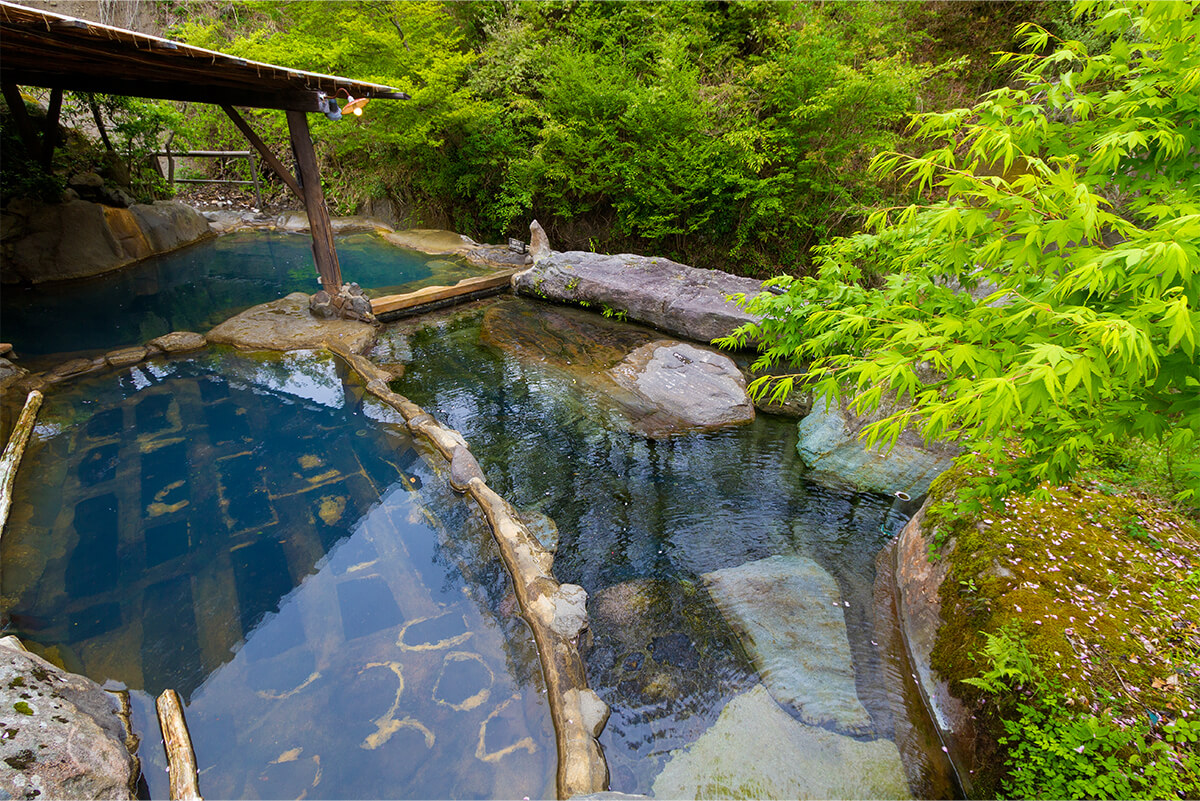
39 48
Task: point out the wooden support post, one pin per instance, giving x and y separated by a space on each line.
16 104
170 159
324 252
181 759
98 118
50 134
274 163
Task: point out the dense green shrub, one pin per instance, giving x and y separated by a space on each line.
723 134
133 129
1053 751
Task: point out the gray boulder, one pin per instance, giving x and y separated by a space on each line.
699 387
10 373
61 735
623 376
168 224
757 750
787 612
830 447
672 297
178 342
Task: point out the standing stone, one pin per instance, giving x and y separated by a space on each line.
61 735
539 243
788 613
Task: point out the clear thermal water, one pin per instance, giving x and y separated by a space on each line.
251 532
196 288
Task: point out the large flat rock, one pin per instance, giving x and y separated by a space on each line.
681 300
286 324
787 611
756 750
64 736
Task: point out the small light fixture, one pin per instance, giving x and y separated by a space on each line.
353 106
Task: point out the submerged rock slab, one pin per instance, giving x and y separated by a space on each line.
757 750
830 446
64 736
681 300
662 653
434 241
700 387
286 324
788 613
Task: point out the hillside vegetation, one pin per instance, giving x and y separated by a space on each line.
729 135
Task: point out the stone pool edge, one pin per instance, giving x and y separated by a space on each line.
555 613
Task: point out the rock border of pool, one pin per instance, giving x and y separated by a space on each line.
555 613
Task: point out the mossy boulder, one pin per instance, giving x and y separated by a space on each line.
1101 585
61 735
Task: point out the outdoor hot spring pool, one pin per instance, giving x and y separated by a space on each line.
197 287
251 532
257 532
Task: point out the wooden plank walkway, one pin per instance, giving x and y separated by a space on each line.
390 307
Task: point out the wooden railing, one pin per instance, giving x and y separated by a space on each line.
171 155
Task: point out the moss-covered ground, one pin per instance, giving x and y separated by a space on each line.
1102 585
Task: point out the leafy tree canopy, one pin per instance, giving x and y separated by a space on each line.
731 135
1041 296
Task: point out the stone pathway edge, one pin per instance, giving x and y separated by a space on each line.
547 606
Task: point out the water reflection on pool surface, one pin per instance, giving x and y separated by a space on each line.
254 533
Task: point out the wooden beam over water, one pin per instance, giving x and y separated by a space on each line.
14 450
181 758
468 288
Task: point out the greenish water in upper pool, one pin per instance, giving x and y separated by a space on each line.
258 534
196 288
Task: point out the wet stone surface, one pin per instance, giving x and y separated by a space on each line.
61 736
